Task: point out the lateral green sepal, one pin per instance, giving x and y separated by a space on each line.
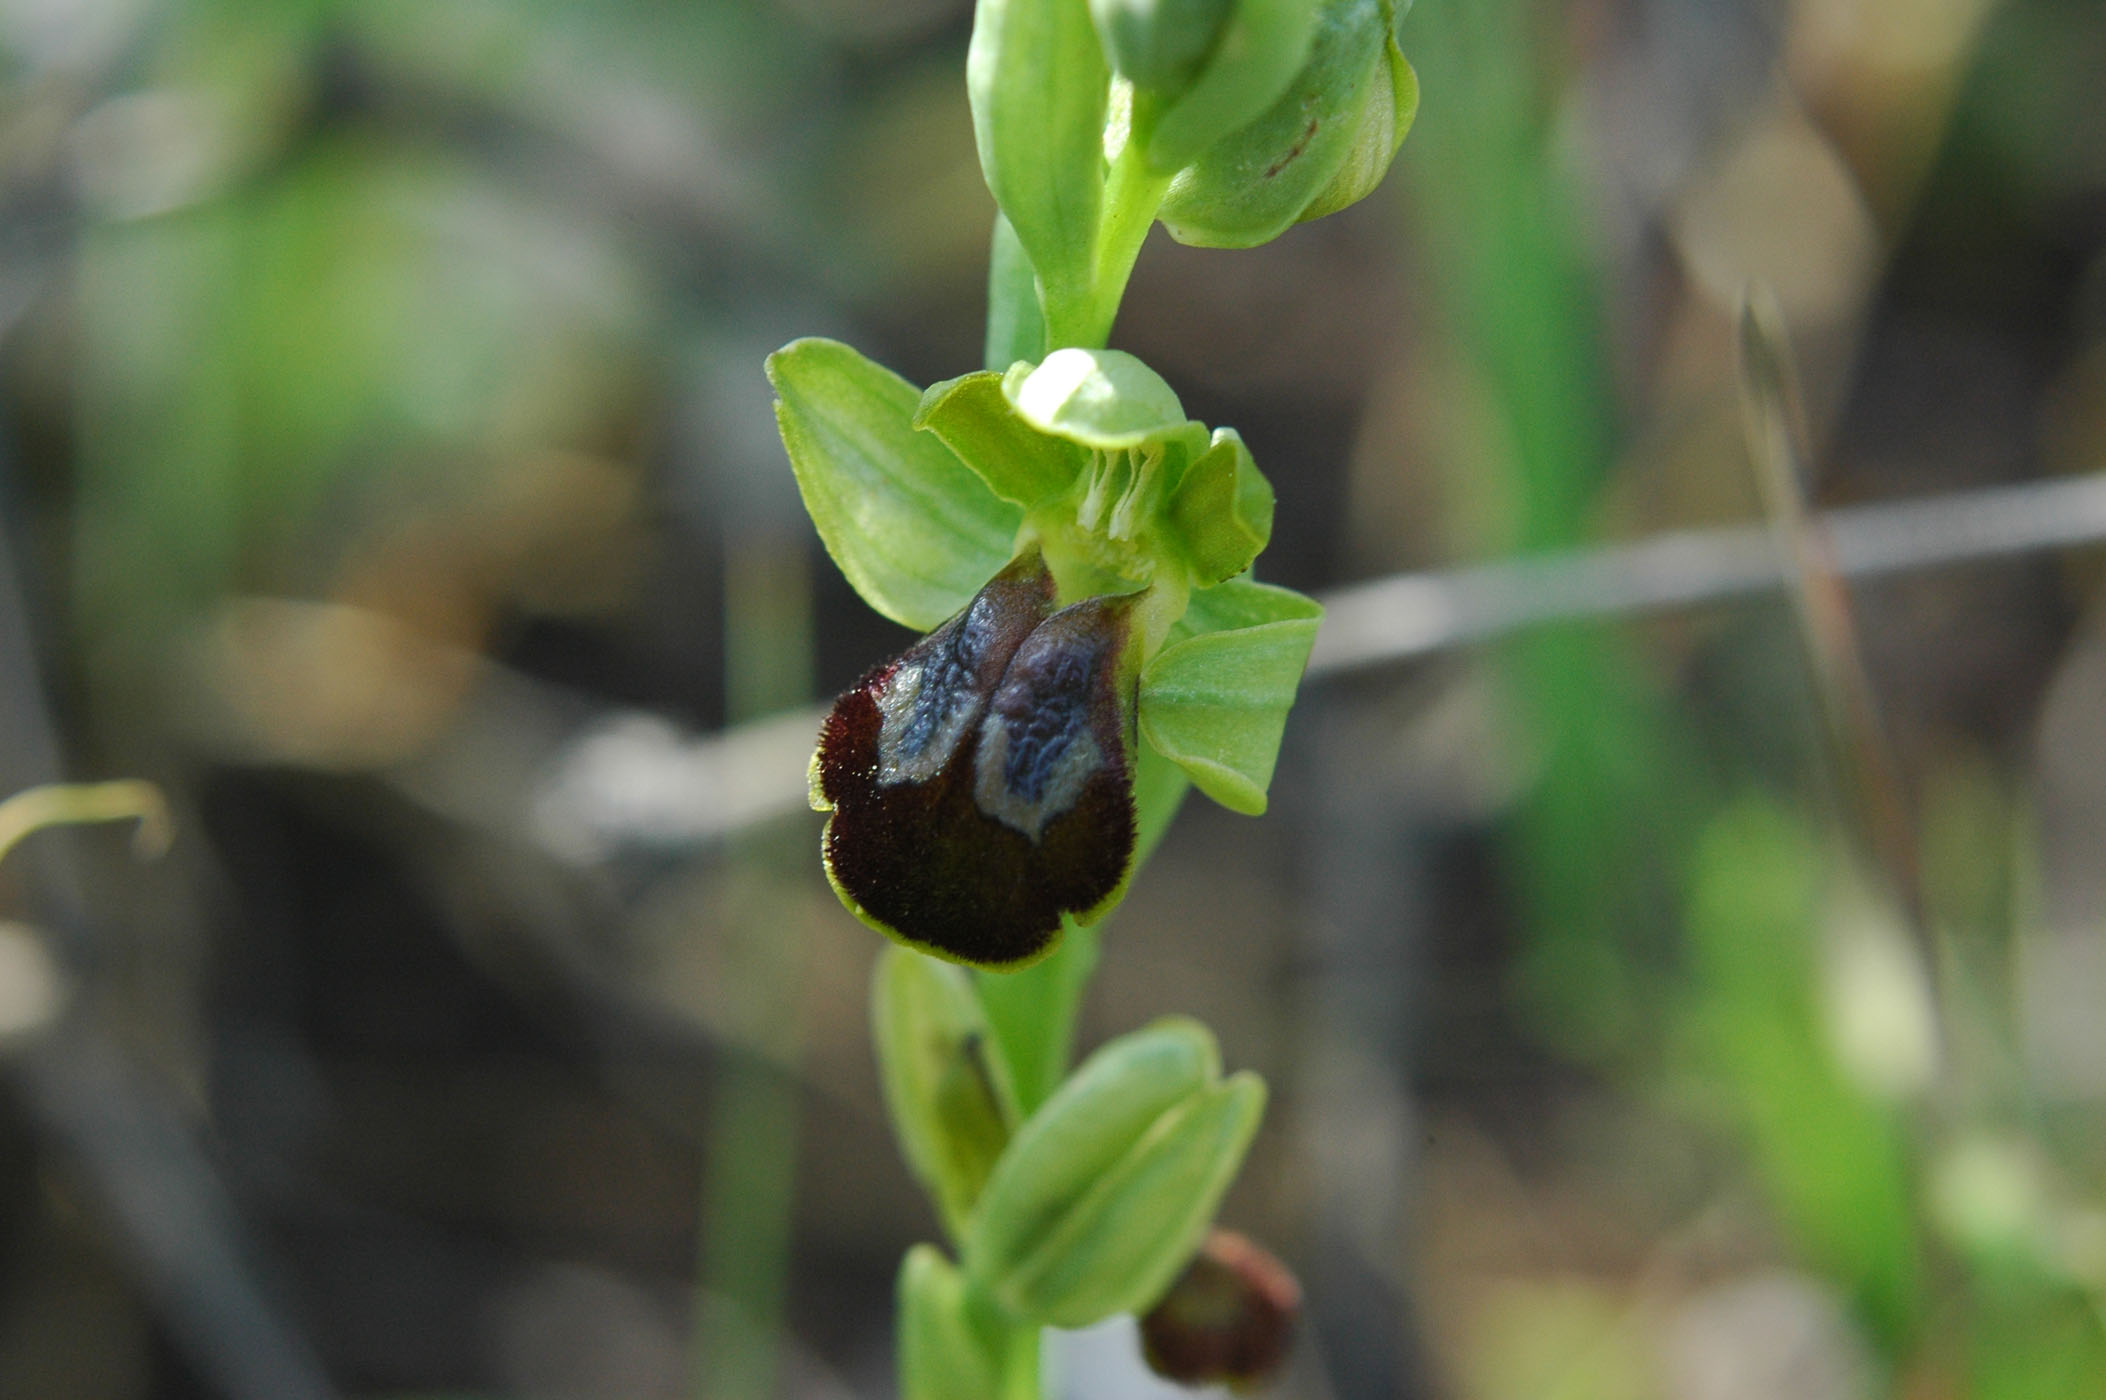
913 528
1215 701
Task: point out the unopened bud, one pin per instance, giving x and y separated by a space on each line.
1228 1320
1104 1193
1324 144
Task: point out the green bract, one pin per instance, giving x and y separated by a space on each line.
946 1089
950 1348
1322 145
1039 84
1104 1194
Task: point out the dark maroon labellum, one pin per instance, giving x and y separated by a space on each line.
1228 1320
981 783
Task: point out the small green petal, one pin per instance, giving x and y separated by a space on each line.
1222 510
1243 602
913 528
1216 704
976 421
1099 398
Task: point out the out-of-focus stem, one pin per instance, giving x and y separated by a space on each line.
750 1141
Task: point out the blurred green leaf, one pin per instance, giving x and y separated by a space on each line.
1835 1162
946 1087
949 1349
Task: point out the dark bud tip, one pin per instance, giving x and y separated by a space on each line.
981 784
1228 1320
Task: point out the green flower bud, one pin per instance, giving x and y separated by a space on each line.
1103 1195
1158 44
1228 1320
951 1346
1260 47
1324 144
947 1089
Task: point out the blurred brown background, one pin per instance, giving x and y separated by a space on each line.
386 470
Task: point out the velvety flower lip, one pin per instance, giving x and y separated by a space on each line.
981 783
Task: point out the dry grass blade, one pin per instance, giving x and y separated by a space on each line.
1870 785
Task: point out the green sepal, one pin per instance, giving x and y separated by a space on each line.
1104 399
1215 702
1222 510
1261 48
1039 86
1249 187
914 529
946 1087
1383 127
1243 602
1127 1239
1081 1132
951 1345
974 418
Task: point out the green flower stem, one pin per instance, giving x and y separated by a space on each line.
1132 195
1022 1373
